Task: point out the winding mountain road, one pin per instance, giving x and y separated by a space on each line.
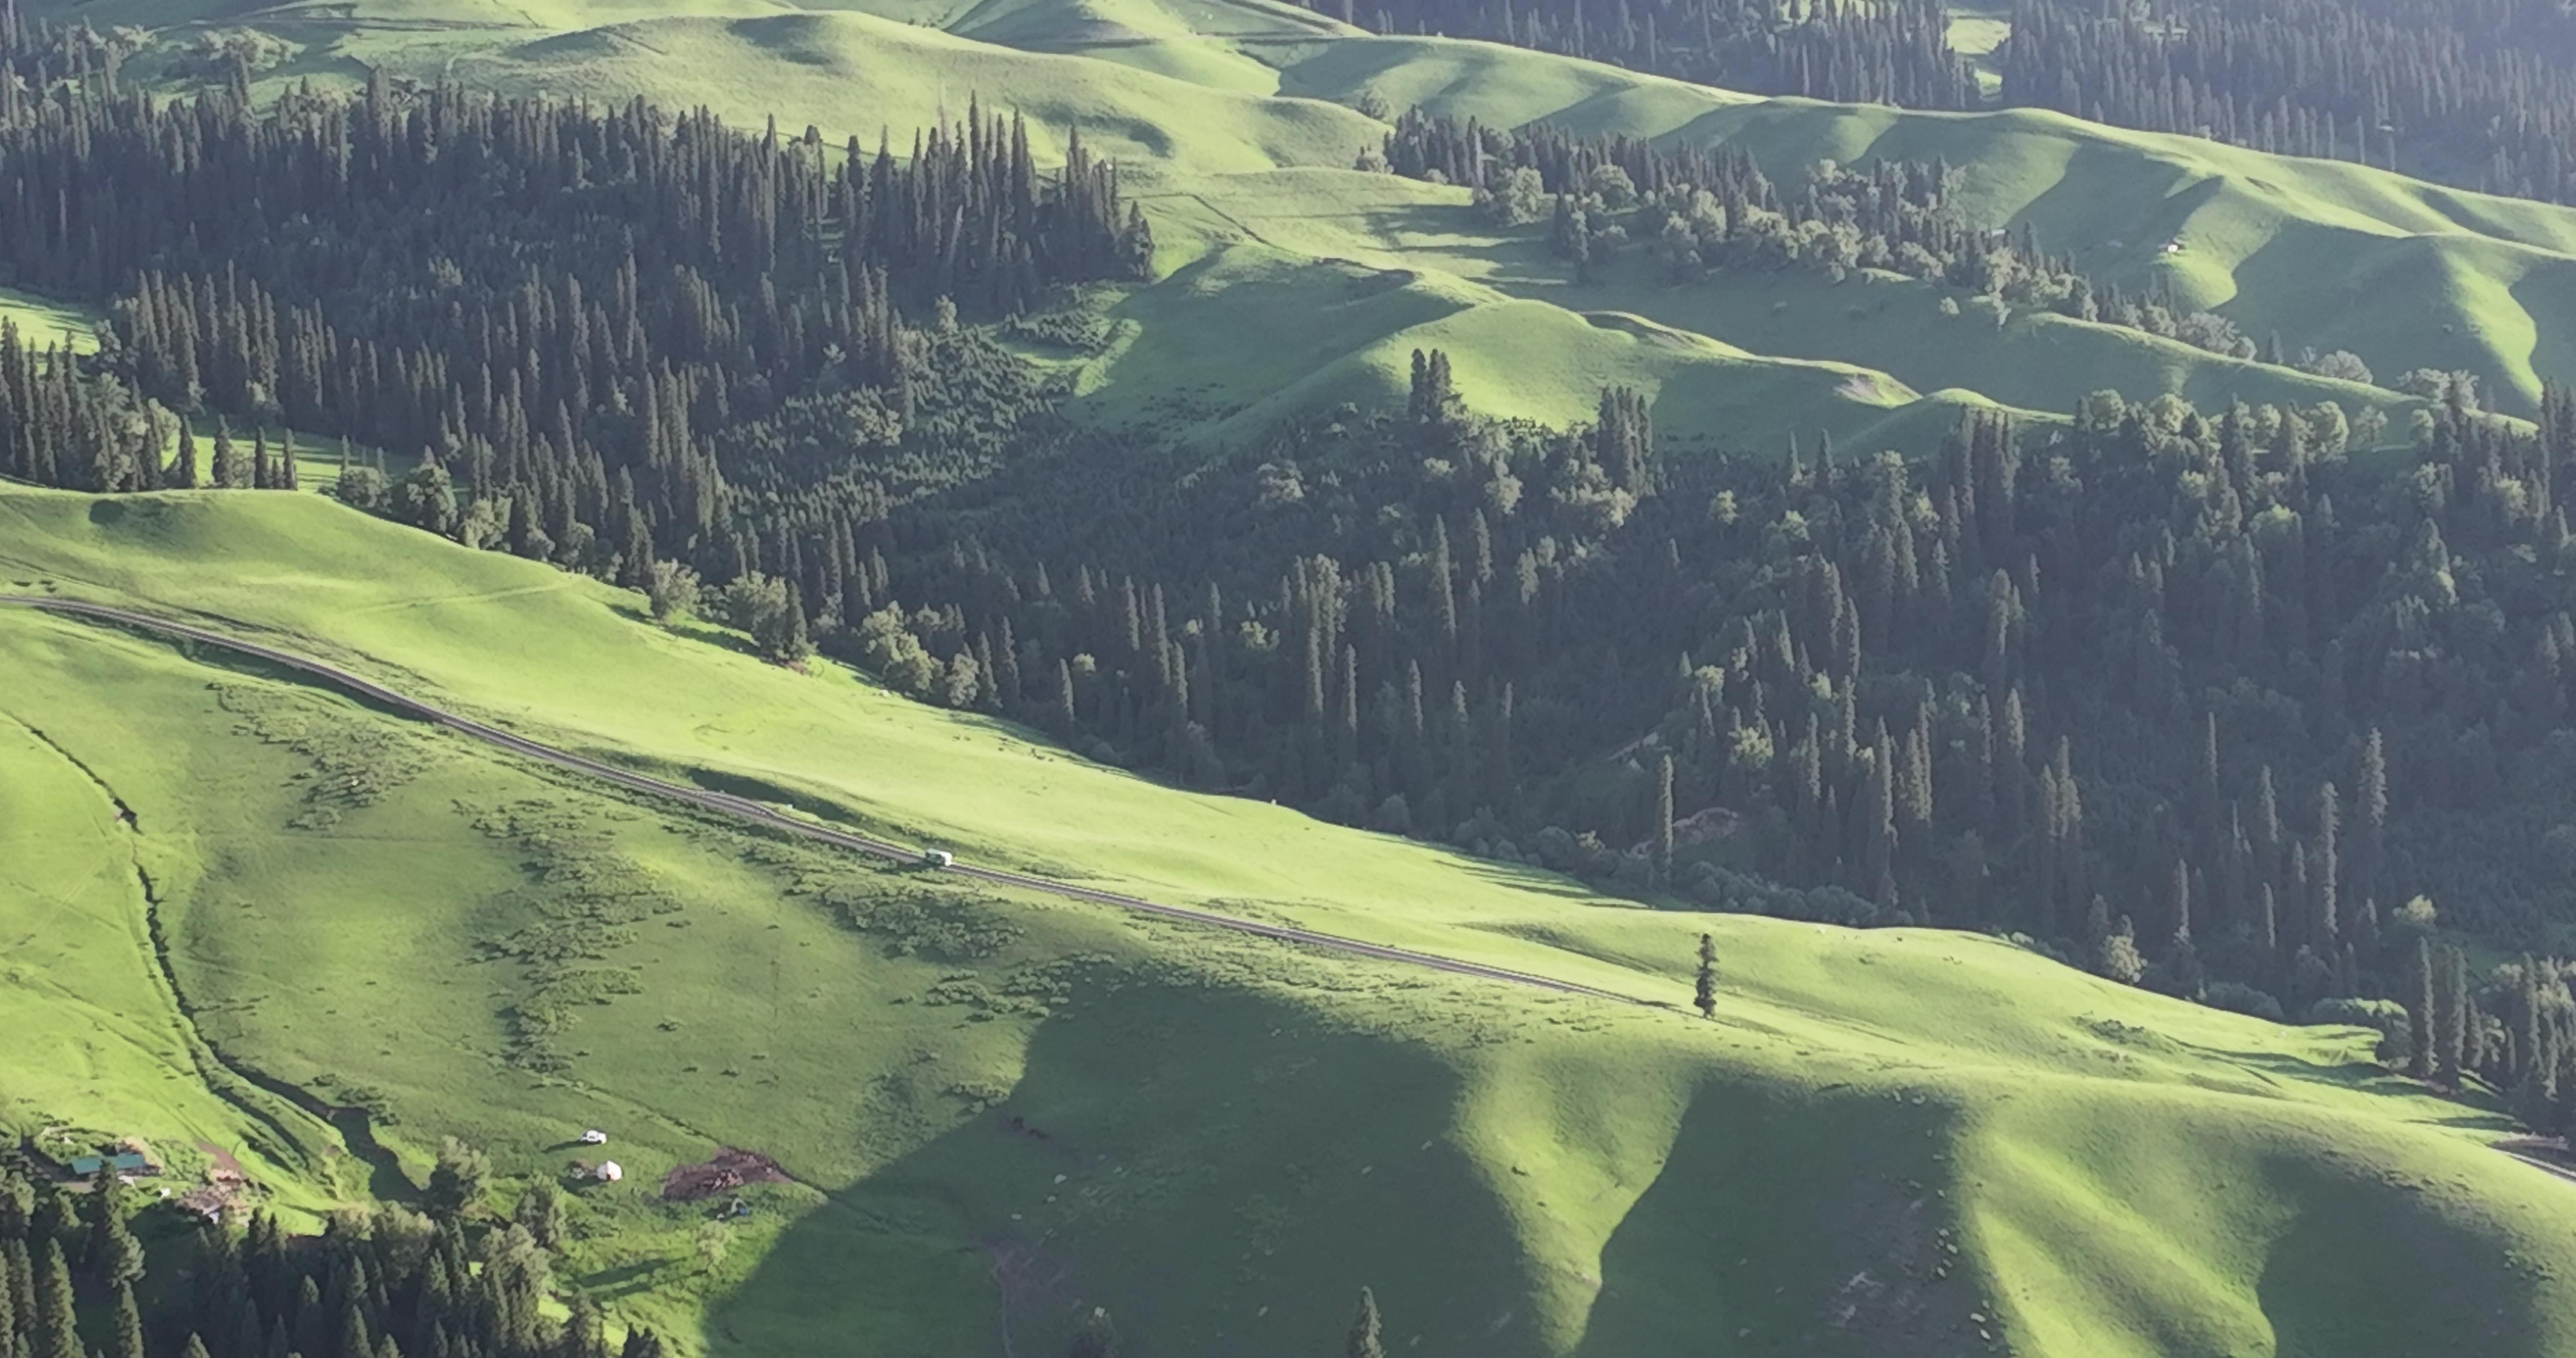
744 809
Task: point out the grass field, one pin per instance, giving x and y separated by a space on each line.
43 321
1888 1143
111 1055
1738 359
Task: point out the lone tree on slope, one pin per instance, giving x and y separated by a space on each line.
1706 998
1365 1342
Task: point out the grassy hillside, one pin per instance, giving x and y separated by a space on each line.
1889 1143
1336 331
1204 100
116 1058
1422 236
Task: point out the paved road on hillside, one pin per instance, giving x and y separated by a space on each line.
746 810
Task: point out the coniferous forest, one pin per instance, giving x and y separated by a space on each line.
2476 93
371 1286
2187 697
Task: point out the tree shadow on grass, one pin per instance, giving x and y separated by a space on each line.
625 1280
1222 1171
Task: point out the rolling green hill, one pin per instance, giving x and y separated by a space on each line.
1233 117
996 1109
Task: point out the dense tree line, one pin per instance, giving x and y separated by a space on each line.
2470 92
1825 49
1703 210
2185 698
558 309
2474 92
371 1286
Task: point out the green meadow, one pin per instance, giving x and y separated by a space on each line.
996 1110
1235 121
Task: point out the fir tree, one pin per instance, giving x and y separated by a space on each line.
1662 821
2451 1018
1705 993
56 1333
228 465
2421 997
183 469
114 1256
1095 1337
127 1339
1365 1341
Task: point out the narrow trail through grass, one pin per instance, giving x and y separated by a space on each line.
767 817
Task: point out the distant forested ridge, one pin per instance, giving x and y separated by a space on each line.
1697 211
1895 53
2478 93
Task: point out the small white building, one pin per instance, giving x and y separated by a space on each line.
609 1172
594 1137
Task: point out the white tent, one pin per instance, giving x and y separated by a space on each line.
609 1172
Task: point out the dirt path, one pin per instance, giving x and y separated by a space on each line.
743 809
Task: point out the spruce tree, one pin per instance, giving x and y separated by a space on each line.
457 1181
1366 1341
2420 998
114 1257
56 1333
183 469
1095 1337
541 1210
127 1341
1662 823
2450 1018
2325 924
228 468
1705 992
20 1284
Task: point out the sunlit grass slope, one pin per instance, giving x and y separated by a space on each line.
1221 1140
1334 331
2330 254
1422 237
98 1050
855 73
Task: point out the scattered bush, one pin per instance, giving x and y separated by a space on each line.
2239 998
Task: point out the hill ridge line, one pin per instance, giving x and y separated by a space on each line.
741 808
